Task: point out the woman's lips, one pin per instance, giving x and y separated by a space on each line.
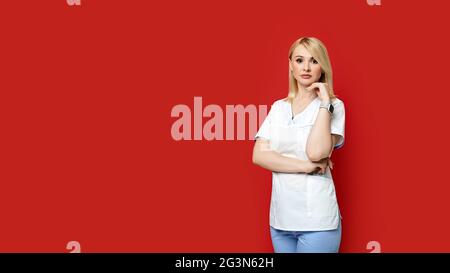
305 76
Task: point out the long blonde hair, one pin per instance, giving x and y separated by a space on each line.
318 50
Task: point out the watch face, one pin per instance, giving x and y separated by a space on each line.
331 108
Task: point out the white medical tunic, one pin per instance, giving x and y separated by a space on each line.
300 201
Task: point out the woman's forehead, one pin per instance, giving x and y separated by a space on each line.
301 51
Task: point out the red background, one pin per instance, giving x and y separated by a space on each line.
86 95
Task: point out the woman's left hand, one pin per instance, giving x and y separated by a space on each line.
321 89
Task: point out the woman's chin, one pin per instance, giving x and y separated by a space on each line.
306 83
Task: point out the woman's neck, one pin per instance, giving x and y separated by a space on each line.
305 95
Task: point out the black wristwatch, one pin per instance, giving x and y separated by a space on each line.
327 106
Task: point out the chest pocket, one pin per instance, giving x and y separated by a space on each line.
290 140
289 136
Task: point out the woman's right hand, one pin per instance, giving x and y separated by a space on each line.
318 167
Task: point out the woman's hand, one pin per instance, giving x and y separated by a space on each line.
316 167
330 163
322 90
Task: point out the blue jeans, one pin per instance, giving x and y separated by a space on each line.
326 241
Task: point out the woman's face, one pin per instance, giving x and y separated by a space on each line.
305 68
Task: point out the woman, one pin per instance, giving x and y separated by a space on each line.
295 142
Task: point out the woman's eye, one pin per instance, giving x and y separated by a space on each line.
299 60
314 61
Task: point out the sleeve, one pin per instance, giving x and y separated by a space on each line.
264 129
338 122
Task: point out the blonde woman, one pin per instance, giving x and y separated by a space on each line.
295 142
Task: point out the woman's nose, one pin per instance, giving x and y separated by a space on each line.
306 66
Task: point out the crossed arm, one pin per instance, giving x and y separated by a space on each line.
276 162
269 159
319 147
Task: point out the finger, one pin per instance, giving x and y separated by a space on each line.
318 170
322 169
311 87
